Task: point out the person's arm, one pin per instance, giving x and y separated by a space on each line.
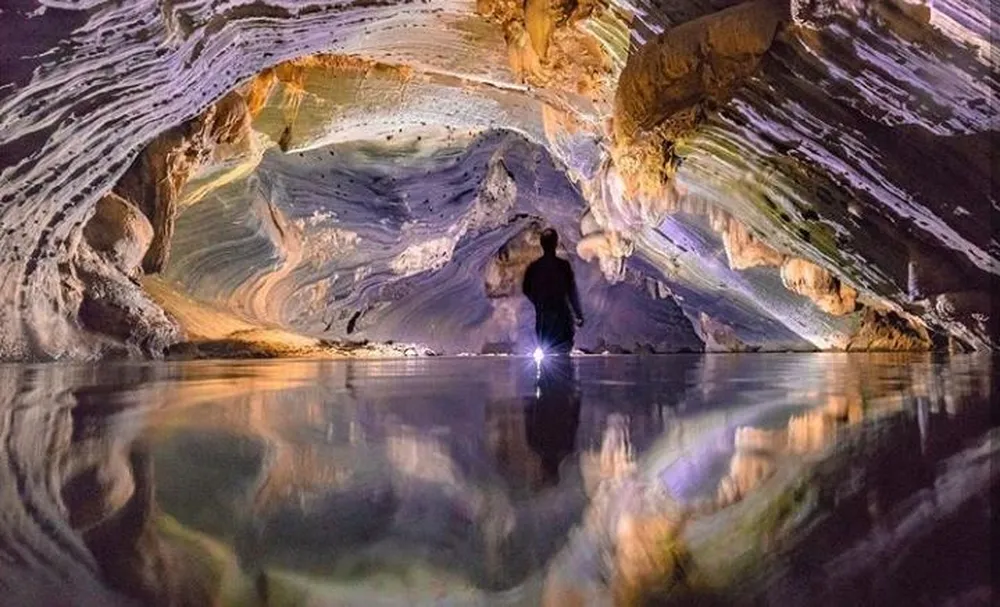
574 296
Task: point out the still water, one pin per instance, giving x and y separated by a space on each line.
719 479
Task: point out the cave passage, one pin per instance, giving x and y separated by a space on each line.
360 242
263 339
726 176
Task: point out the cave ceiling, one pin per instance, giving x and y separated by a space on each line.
726 175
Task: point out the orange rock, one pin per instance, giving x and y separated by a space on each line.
823 288
885 330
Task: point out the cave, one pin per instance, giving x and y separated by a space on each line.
266 339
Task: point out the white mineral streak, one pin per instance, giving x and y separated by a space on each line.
970 23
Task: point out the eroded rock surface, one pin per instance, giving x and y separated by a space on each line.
839 149
111 305
155 179
404 255
888 331
816 283
119 231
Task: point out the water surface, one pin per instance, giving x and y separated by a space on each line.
781 479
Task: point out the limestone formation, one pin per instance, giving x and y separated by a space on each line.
155 179
670 83
743 249
505 270
121 232
723 149
886 330
719 337
812 281
112 306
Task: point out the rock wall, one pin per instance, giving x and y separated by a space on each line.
431 250
809 124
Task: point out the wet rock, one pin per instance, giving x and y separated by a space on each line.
743 249
664 84
680 93
495 199
543 47
885 330
917 10
505 270
720 337
819 285
114 306
970 316
609 250
931 272
704 58
120 232
425 256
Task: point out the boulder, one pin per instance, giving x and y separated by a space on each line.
120 232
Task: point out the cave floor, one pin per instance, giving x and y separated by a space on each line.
708 479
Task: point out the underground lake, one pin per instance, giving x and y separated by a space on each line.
796 479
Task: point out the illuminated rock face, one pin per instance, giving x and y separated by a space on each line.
797 172
335 244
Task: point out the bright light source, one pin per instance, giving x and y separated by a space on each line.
538 355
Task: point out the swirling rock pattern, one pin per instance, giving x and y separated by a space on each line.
410 252
855 137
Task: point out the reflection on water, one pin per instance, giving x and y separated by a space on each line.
552 415
819 479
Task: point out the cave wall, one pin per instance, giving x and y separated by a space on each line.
852 140
67 140
428 247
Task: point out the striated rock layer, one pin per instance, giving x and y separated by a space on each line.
766 174
335 244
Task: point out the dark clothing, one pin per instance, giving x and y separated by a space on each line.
549 285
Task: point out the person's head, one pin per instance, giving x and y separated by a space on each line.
550 240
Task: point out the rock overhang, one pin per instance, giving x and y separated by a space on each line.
758 142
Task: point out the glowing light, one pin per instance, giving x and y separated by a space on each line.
538 355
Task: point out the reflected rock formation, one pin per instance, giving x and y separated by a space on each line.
851 489
281 178
375 482
81 523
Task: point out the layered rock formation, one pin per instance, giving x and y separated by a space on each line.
407 253
801 173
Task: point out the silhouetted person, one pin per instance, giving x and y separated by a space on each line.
550 285
553 415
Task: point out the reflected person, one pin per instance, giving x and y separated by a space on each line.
550 286
553 415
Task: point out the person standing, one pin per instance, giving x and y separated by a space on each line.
549 284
